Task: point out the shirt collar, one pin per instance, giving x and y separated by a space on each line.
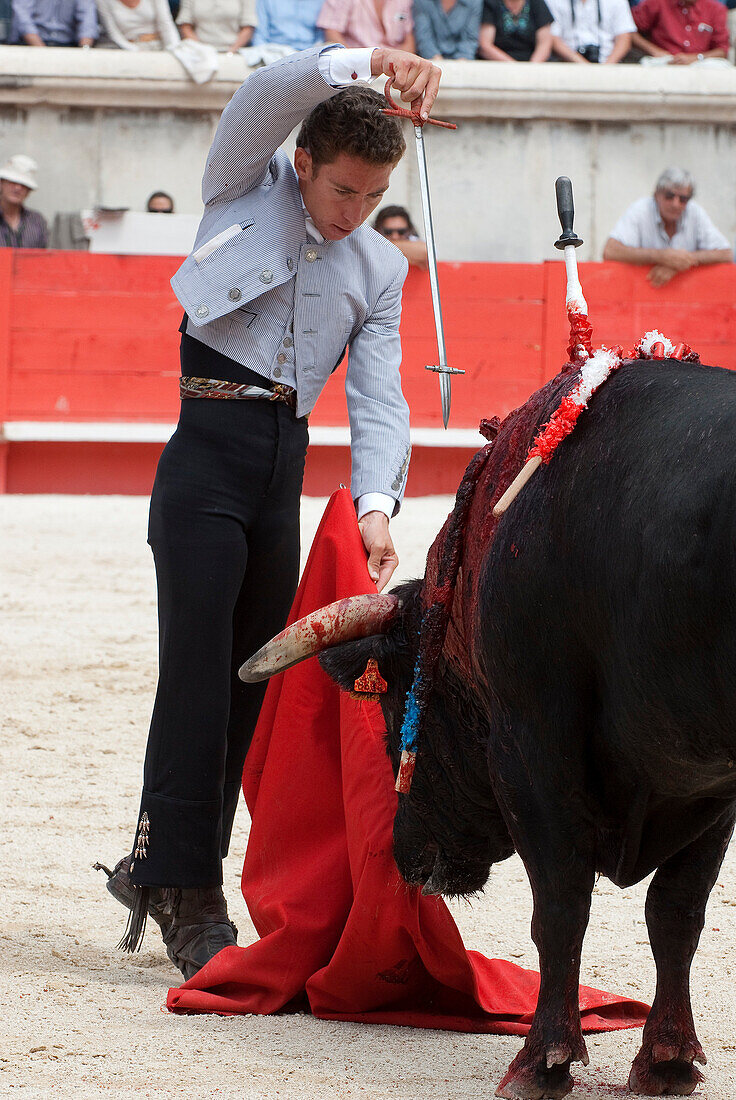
309 225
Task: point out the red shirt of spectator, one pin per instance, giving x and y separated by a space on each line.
692 26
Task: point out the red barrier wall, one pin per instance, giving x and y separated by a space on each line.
94 338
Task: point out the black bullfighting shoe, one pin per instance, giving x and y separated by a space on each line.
199 929
121 887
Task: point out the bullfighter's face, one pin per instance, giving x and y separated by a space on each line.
340 196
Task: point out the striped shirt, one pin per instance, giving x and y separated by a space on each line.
31 233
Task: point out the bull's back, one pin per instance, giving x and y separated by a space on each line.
609 592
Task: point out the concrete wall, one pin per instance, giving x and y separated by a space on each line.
108 127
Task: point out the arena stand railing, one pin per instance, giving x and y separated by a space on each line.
89 361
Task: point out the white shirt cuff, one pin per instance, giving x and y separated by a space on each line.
338 65
376 502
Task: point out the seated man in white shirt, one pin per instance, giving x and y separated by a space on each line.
668 230
591 31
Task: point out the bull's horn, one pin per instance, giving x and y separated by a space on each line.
432 887
435 884
342 621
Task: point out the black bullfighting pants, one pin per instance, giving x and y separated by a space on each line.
224 530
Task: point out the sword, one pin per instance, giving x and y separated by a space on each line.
442 368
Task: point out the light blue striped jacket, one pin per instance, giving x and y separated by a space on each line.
252 237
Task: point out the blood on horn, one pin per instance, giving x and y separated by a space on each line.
342 621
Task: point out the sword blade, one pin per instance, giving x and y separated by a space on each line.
445 383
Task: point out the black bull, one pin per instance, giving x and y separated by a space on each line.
584 706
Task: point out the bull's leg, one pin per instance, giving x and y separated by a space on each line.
675 913
557 855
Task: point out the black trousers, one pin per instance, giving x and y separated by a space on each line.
224 530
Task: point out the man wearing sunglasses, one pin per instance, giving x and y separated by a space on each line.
667 230
394 223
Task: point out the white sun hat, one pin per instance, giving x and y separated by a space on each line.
20 169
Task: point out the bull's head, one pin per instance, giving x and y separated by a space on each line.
448 829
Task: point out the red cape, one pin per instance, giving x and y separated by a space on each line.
340 932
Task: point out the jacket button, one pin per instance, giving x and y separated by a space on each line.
396 485
280 358
288 341
290 264
234 295
202 311
277 372
310 255
267 276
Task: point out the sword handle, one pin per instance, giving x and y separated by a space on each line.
395 110
566 213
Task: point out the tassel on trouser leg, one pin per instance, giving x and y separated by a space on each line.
137 899
136 926
135 929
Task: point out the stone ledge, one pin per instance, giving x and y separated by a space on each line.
470 90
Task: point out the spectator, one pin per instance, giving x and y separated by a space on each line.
394 223
225 24
684 30
6 17
160 203
368 23
54 22
20 228
442 31
290 23
667 230
591 30
515 30
138 24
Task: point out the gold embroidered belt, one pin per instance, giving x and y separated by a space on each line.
235 391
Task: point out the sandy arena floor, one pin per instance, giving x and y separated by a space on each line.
78 1019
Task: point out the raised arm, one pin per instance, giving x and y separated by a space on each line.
273 100
258 119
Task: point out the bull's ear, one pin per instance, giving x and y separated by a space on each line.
345 663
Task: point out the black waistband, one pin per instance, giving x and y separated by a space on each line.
204 362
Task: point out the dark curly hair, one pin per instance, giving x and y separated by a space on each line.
351 122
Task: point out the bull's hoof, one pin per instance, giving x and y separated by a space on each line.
538 1075
666 1069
